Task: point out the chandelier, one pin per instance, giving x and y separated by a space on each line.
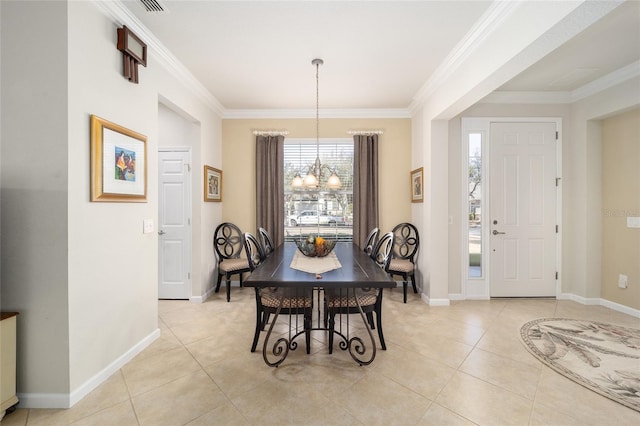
312 179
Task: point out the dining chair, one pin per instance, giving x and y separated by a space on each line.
266 240
405 247
294 301
228 243
371 241
345 302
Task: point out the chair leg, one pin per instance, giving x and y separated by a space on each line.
380 335
332 323
413 283
404 290
228 288
257 333
326 315
219 281
241 279
370 320
307 331
265 319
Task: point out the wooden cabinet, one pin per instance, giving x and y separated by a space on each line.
7 361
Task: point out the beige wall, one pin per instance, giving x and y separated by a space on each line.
238 153
621 198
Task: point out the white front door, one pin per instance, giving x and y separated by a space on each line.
523 222
174 230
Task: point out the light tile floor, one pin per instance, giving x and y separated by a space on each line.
456 365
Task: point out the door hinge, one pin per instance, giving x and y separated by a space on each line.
557 228
188 166
189 221
558 181
556 135
189 275
556 275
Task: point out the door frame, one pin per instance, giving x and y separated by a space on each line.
188 150
479 288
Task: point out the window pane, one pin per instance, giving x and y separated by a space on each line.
475 205
319 211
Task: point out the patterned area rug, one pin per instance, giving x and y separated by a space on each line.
602 357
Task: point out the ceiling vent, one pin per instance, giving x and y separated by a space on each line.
154 6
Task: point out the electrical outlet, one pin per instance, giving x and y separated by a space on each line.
622 281
633 222
147 226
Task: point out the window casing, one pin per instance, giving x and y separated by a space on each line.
319 211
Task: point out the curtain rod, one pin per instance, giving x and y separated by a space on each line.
366 132
270 132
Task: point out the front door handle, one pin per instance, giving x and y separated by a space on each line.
497 232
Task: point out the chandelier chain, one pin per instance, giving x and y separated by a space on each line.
317 109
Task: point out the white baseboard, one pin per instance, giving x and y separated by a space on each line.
43 400
202 299
620 308
435 302
597 301
60 400
591 301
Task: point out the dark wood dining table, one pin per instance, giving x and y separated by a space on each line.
358 271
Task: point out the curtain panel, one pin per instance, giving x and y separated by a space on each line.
270 186
365 186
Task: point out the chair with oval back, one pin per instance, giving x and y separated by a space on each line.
295 301
228 243
405 247
339 301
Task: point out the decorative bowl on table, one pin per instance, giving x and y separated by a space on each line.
313 246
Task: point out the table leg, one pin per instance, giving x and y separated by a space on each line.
281 346
357 346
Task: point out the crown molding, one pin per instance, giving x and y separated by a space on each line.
499 97
233 114
603 83
118 12
490 20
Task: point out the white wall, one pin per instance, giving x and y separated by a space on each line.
124 269
82 274
34 190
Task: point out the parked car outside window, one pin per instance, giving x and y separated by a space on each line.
311 217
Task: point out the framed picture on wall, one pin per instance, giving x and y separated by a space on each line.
417 186
212 184
118 163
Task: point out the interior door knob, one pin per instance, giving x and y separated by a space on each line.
161 232
497 232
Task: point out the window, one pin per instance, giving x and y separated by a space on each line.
475 205
319 211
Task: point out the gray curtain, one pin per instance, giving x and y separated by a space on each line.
365 186
270 186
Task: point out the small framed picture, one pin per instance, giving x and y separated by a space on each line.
118 163
417 186
212 184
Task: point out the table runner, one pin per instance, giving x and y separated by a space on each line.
315 265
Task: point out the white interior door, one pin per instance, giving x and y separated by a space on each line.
523 209
174 229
